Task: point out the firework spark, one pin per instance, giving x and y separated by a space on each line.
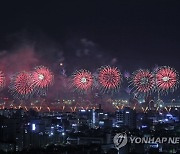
82 80
21 85
128 90
2 80
143 81
167 79
42 78
109 78
127 75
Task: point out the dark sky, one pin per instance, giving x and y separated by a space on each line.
135 32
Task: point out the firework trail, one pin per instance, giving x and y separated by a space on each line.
2 80
128 90
127 75
167 79
42 78
21 85
143 81
82 80
109 79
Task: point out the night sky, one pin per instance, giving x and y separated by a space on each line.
85 34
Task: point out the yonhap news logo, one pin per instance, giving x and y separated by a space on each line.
121 139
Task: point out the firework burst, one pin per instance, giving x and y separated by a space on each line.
143 81
21 85
109 79
2 80
82 80
167 79
42 78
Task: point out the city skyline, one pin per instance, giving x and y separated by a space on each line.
89 77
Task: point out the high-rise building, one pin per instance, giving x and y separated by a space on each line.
126 117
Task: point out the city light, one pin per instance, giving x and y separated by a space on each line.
83 110
90 77
33 127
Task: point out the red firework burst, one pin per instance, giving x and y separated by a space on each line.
109 78
82 80
2 80
166 79
21 85
143 81
42 77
